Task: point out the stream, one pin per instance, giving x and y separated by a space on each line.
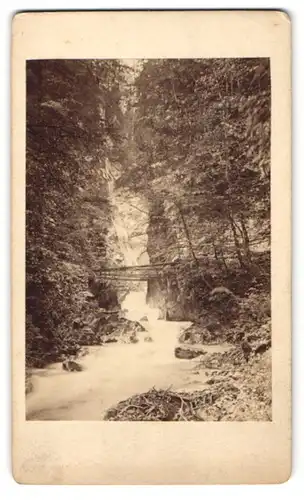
112 373
117 371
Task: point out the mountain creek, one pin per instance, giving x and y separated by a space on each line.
115 372
141 224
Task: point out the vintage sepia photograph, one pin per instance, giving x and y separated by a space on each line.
151 247
148 285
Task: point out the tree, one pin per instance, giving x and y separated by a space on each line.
201 151
74 130
202 135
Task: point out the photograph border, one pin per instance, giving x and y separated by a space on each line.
263 449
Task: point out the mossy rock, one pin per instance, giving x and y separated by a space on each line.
188 352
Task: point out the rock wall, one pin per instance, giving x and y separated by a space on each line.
164 246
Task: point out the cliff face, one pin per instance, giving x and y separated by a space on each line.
164 246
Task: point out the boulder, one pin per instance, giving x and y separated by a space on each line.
148 339
133 339
262 347
144 318
188 352
199 334
71 366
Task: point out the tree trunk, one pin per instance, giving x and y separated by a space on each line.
216 254
187 234
224 261
236 241
190 243
246 242
219 257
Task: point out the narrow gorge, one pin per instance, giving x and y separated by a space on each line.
148 240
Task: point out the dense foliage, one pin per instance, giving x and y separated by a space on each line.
201 142
188 142
74 132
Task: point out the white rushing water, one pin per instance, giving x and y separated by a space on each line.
136 307
111 373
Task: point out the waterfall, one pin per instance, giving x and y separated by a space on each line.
127 217
121 227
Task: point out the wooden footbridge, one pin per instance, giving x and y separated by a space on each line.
136 273
139 273
148 271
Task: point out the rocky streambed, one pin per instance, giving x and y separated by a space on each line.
145 380
232 385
